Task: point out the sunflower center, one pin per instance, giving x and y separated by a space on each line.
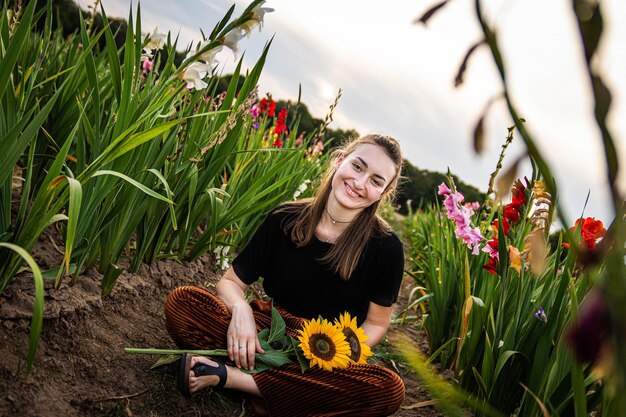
322 346
355 344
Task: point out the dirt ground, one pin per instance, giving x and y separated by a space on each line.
81 368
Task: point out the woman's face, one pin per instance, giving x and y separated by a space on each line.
362 176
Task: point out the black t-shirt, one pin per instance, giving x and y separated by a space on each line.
297 280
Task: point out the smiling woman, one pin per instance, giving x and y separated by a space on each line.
319 257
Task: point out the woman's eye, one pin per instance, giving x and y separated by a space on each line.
356 166
377 183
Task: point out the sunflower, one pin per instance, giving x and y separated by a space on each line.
324 344
355 336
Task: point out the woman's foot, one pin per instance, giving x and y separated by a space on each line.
197 372
198 383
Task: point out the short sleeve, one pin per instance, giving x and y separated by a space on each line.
390 272
253 261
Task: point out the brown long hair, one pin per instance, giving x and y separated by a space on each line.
344 256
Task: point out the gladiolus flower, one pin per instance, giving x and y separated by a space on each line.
505 226
492 266
256 18
280 123
461 216
590 230
301 188
492 248
155 41
267 106
194 74
541 315
146 66
515 258
232 39
318 148
277 143
511 213
207 56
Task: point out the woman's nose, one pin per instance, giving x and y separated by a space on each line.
359 182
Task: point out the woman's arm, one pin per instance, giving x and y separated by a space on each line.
242 341
376 323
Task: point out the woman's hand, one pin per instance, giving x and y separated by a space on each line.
242 341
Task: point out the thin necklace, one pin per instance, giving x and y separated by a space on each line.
333 220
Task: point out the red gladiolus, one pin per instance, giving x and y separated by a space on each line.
492 266
277 143
505 226
518 195
272 108
511 213
280 122
590 230
267 106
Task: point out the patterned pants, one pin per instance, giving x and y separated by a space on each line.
197 319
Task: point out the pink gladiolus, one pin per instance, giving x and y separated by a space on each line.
443 189
461 215
319 147
146 66
492 249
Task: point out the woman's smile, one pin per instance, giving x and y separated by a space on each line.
351 191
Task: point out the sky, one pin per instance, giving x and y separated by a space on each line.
397 78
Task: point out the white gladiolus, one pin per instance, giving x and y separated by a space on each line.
221 256
258 13
301 188
232 39
194 74
156 41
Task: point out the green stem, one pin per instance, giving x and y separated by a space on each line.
210 352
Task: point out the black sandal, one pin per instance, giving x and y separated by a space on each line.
199 369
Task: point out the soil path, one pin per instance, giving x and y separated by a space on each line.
81 368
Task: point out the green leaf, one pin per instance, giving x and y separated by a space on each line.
137 184
76 196
111 275
302 360
165 360
273 358
37 321
277 328
15 46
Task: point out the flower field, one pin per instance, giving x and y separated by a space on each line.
126 173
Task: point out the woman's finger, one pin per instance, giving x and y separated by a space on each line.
243 355
230 347
251 350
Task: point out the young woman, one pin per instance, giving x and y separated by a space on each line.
322 256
